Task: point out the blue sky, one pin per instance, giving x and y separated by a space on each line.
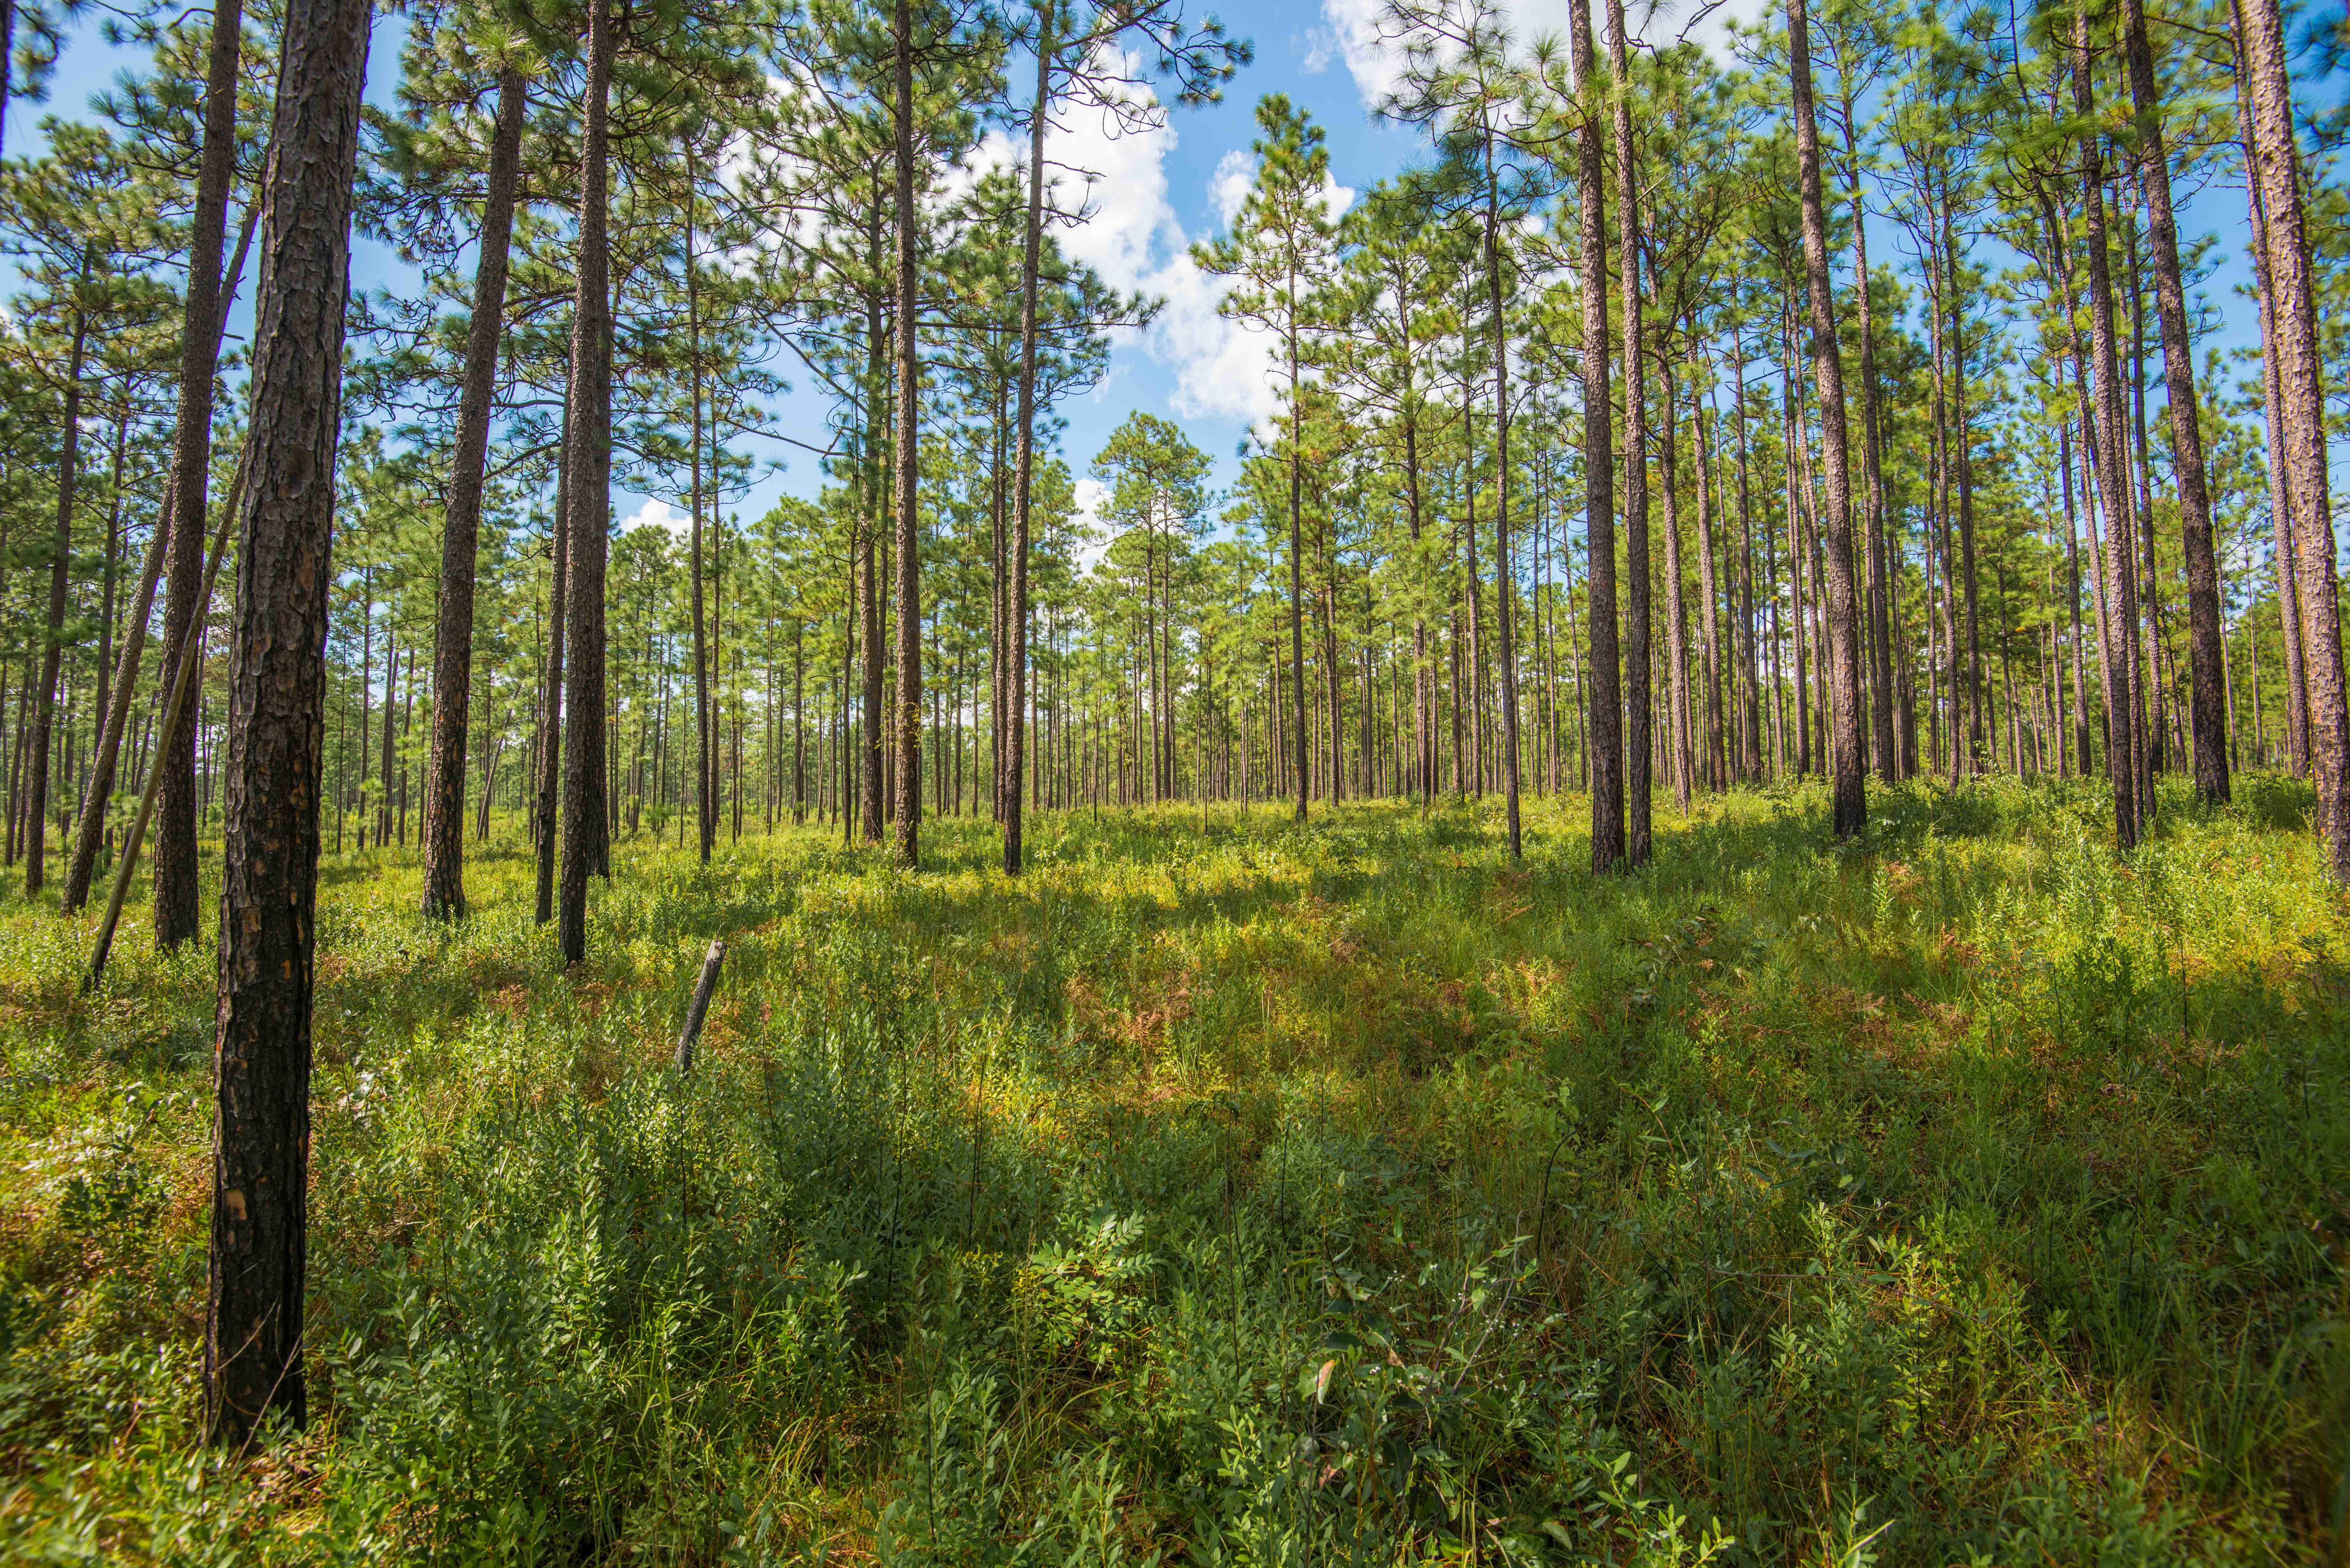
1157 192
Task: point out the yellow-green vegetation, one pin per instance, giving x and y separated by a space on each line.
1267 1195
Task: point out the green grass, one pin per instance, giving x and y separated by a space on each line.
1273 1196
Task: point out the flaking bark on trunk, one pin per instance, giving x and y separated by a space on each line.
192 456
2206 659
453 639
261 1062
1606 743
2124 753
590 459
2292 318
547 785
908 573
1639 701
44 697
1846 771
1011 751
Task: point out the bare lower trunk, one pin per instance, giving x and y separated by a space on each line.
192 452
1014 631
2206 659
2292 317
1845 762
452 641
45 696
1606 743
1639 716
261 1072
589 460
2124 754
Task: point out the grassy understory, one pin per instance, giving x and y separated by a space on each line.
1274 1196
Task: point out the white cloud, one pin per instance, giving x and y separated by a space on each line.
656 513
1228 185
1115 174
1091 497
1132 237
1350 32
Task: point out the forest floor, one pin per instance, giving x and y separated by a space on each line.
1259 1195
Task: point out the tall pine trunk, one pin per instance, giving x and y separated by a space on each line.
1846 767
1015 644
1502 575
1677 676
705 803
909 783
546 783
2124 752
1872 468
261 1058
2206 659
1639 739
192 456
53 638
1607 732
2292 318
453 637
589 462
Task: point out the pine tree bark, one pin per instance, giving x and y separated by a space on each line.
1961 460
2124 752
1845 766
1607 730
53 638
2292 318
546 787
1872 468
1015 642
192 456
589 460
1677 676
1640 738
1298 737
871 782
261 1059
705 805
2206 660
1716 760
909 783
2280 484
1502 578
452 638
